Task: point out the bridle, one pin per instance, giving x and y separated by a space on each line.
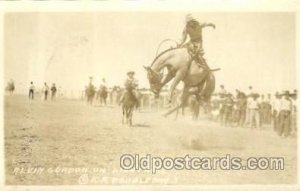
155 80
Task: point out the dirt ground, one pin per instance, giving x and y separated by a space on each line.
67 134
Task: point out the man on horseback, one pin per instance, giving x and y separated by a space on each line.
131 82
103 84
102 92
131 85
193 29
90 91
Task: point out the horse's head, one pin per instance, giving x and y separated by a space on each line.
154 80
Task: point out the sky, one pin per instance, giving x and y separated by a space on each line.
255 49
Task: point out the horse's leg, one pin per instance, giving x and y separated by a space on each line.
184 98
207 87
127 115
197 110
177 111
130 115
169 77
183 101
123 112
172 110
179 76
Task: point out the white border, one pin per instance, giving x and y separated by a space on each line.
147 5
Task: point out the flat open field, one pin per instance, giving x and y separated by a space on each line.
71 134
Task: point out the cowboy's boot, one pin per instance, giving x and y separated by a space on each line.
201 61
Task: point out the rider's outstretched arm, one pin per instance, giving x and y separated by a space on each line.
208 25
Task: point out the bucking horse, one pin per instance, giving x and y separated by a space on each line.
181 66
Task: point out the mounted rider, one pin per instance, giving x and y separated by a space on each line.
103 85
193 29
130 85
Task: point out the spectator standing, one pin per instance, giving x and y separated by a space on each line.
253 107
284 128
222 91
268 109
53 91
250 91
31 91
241 108
46 91
275 111
294 113
228 108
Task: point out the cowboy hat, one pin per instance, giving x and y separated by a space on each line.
189 17
130 73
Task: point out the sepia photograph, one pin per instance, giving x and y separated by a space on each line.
150 98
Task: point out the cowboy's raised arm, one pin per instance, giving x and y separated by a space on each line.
208 25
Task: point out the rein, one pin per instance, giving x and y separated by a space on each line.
165 40
163 52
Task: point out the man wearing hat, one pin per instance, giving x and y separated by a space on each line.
222 91
241 107
53 91
284 128
130 85
294 113
227 109
103 84
275 110
130 82
253 109
31 91
45 90
193 29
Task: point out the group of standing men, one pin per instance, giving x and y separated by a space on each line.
254 110
45 91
